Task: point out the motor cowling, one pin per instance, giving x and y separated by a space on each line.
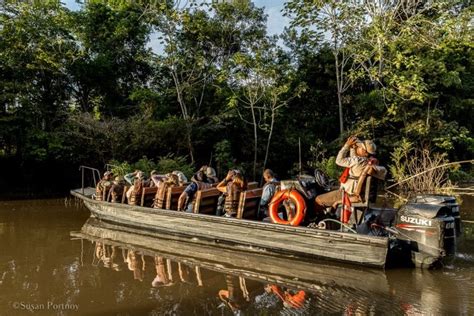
429 230
444 200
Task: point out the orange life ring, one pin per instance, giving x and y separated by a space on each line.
296 198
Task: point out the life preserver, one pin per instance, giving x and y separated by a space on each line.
296 198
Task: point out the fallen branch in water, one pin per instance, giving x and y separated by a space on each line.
430 169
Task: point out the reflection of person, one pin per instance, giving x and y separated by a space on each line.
135 265
355 156
232 297
161 278
289 298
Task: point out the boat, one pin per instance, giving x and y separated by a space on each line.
247 235
422 234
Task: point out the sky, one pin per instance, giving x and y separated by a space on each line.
275 24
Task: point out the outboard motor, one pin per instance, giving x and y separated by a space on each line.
428 231
445 200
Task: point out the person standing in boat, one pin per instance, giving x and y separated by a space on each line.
198 182
269 189
103 186
233 184
354 156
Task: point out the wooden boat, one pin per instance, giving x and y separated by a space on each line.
245 235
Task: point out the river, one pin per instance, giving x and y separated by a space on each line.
47 267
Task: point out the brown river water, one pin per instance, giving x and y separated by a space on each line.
47 268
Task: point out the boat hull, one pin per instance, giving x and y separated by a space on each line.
249 236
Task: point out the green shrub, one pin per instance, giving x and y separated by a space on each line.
170 163
164 165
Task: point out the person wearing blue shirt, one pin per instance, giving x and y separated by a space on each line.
268 191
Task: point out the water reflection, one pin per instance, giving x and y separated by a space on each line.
113 270
239 282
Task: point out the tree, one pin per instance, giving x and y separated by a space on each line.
261 81
113 60
197 48
338 23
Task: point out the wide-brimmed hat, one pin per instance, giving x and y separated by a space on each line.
368 146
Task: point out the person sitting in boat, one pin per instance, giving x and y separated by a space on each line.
233 184
198 182
104 186
156 179
211 175
354 156
170 180
116 191
269 189
138 182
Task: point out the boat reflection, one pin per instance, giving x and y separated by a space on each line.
235 281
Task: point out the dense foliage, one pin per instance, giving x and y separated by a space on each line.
84 87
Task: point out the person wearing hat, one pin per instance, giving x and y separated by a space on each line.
211 175
354 156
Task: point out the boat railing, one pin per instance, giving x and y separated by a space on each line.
95 175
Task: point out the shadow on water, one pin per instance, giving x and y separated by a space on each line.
53 263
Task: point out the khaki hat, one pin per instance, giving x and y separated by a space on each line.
182 178
210 172
368 146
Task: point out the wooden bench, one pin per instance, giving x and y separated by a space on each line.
206 201
252 185
172 196
148 196
249 203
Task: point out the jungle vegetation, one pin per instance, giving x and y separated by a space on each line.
84 87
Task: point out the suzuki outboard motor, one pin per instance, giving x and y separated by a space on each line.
428 231
446 200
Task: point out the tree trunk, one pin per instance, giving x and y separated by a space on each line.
189 141
269 140
255 138
339 94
